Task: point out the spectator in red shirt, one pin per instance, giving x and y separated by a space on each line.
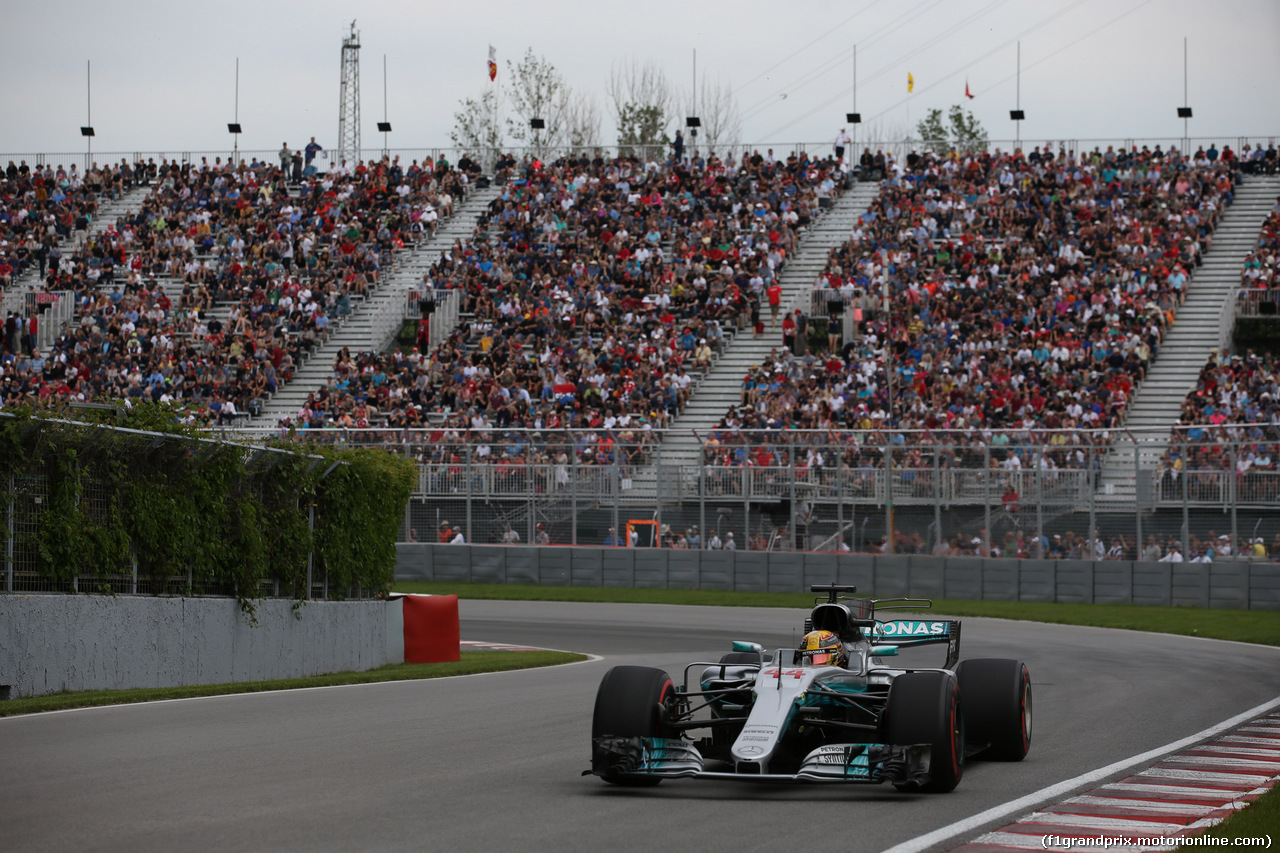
774 294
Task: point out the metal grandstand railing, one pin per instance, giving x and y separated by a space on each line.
1258 303
997 489
453 154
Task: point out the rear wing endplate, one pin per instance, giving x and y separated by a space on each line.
909 633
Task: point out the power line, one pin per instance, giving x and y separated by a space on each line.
877 35
1069 44
791 56
939 81
896 63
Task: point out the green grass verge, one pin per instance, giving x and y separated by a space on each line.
1246 626
1261 818
472 662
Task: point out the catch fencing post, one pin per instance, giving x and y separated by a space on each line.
1137 503
839 498
1039 472
1093 519
791 458
1186 512
702 503
8 542
986 500
657 492
937 494
573 496
1232 492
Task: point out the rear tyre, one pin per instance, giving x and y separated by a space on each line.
997 703
630 703
924 707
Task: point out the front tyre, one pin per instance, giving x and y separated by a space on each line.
631 702
997 701
924 707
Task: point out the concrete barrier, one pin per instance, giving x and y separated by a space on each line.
50 643
1228 584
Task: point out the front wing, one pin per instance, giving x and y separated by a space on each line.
671 758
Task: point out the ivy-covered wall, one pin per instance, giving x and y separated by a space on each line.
141 503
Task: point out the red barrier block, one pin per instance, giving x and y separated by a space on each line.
431 632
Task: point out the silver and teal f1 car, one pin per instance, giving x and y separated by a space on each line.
783 716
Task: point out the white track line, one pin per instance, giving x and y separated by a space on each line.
973 822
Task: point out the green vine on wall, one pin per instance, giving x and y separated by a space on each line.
196 515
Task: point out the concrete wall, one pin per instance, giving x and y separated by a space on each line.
1239 585
83 642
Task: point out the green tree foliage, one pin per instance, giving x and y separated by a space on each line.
961 131
643 104
536 90
475 124
641 126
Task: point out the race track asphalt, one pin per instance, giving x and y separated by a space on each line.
493 762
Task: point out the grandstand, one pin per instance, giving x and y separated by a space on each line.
592 320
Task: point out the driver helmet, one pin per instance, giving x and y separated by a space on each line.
823 648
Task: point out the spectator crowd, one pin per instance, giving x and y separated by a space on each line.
225 277
1027 292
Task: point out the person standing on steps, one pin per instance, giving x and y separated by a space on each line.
774 295
842 141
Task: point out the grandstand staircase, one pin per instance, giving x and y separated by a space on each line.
721 387
1203 325
109 210
366 328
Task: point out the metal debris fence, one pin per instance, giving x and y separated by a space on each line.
1034 494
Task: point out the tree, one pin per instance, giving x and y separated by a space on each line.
536 90
475 125
642 102
962 131
721 118
580 120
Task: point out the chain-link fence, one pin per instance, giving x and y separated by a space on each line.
1197 493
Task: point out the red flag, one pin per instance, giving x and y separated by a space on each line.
493 64
967 93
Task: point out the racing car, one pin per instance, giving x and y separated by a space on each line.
833 710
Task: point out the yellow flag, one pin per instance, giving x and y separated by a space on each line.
911 82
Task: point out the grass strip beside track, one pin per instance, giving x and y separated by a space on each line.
1261 818
472 662
1246 626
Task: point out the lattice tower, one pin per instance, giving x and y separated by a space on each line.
349 100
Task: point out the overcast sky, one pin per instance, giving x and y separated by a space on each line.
163 73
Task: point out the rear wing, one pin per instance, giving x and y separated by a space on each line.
909 633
